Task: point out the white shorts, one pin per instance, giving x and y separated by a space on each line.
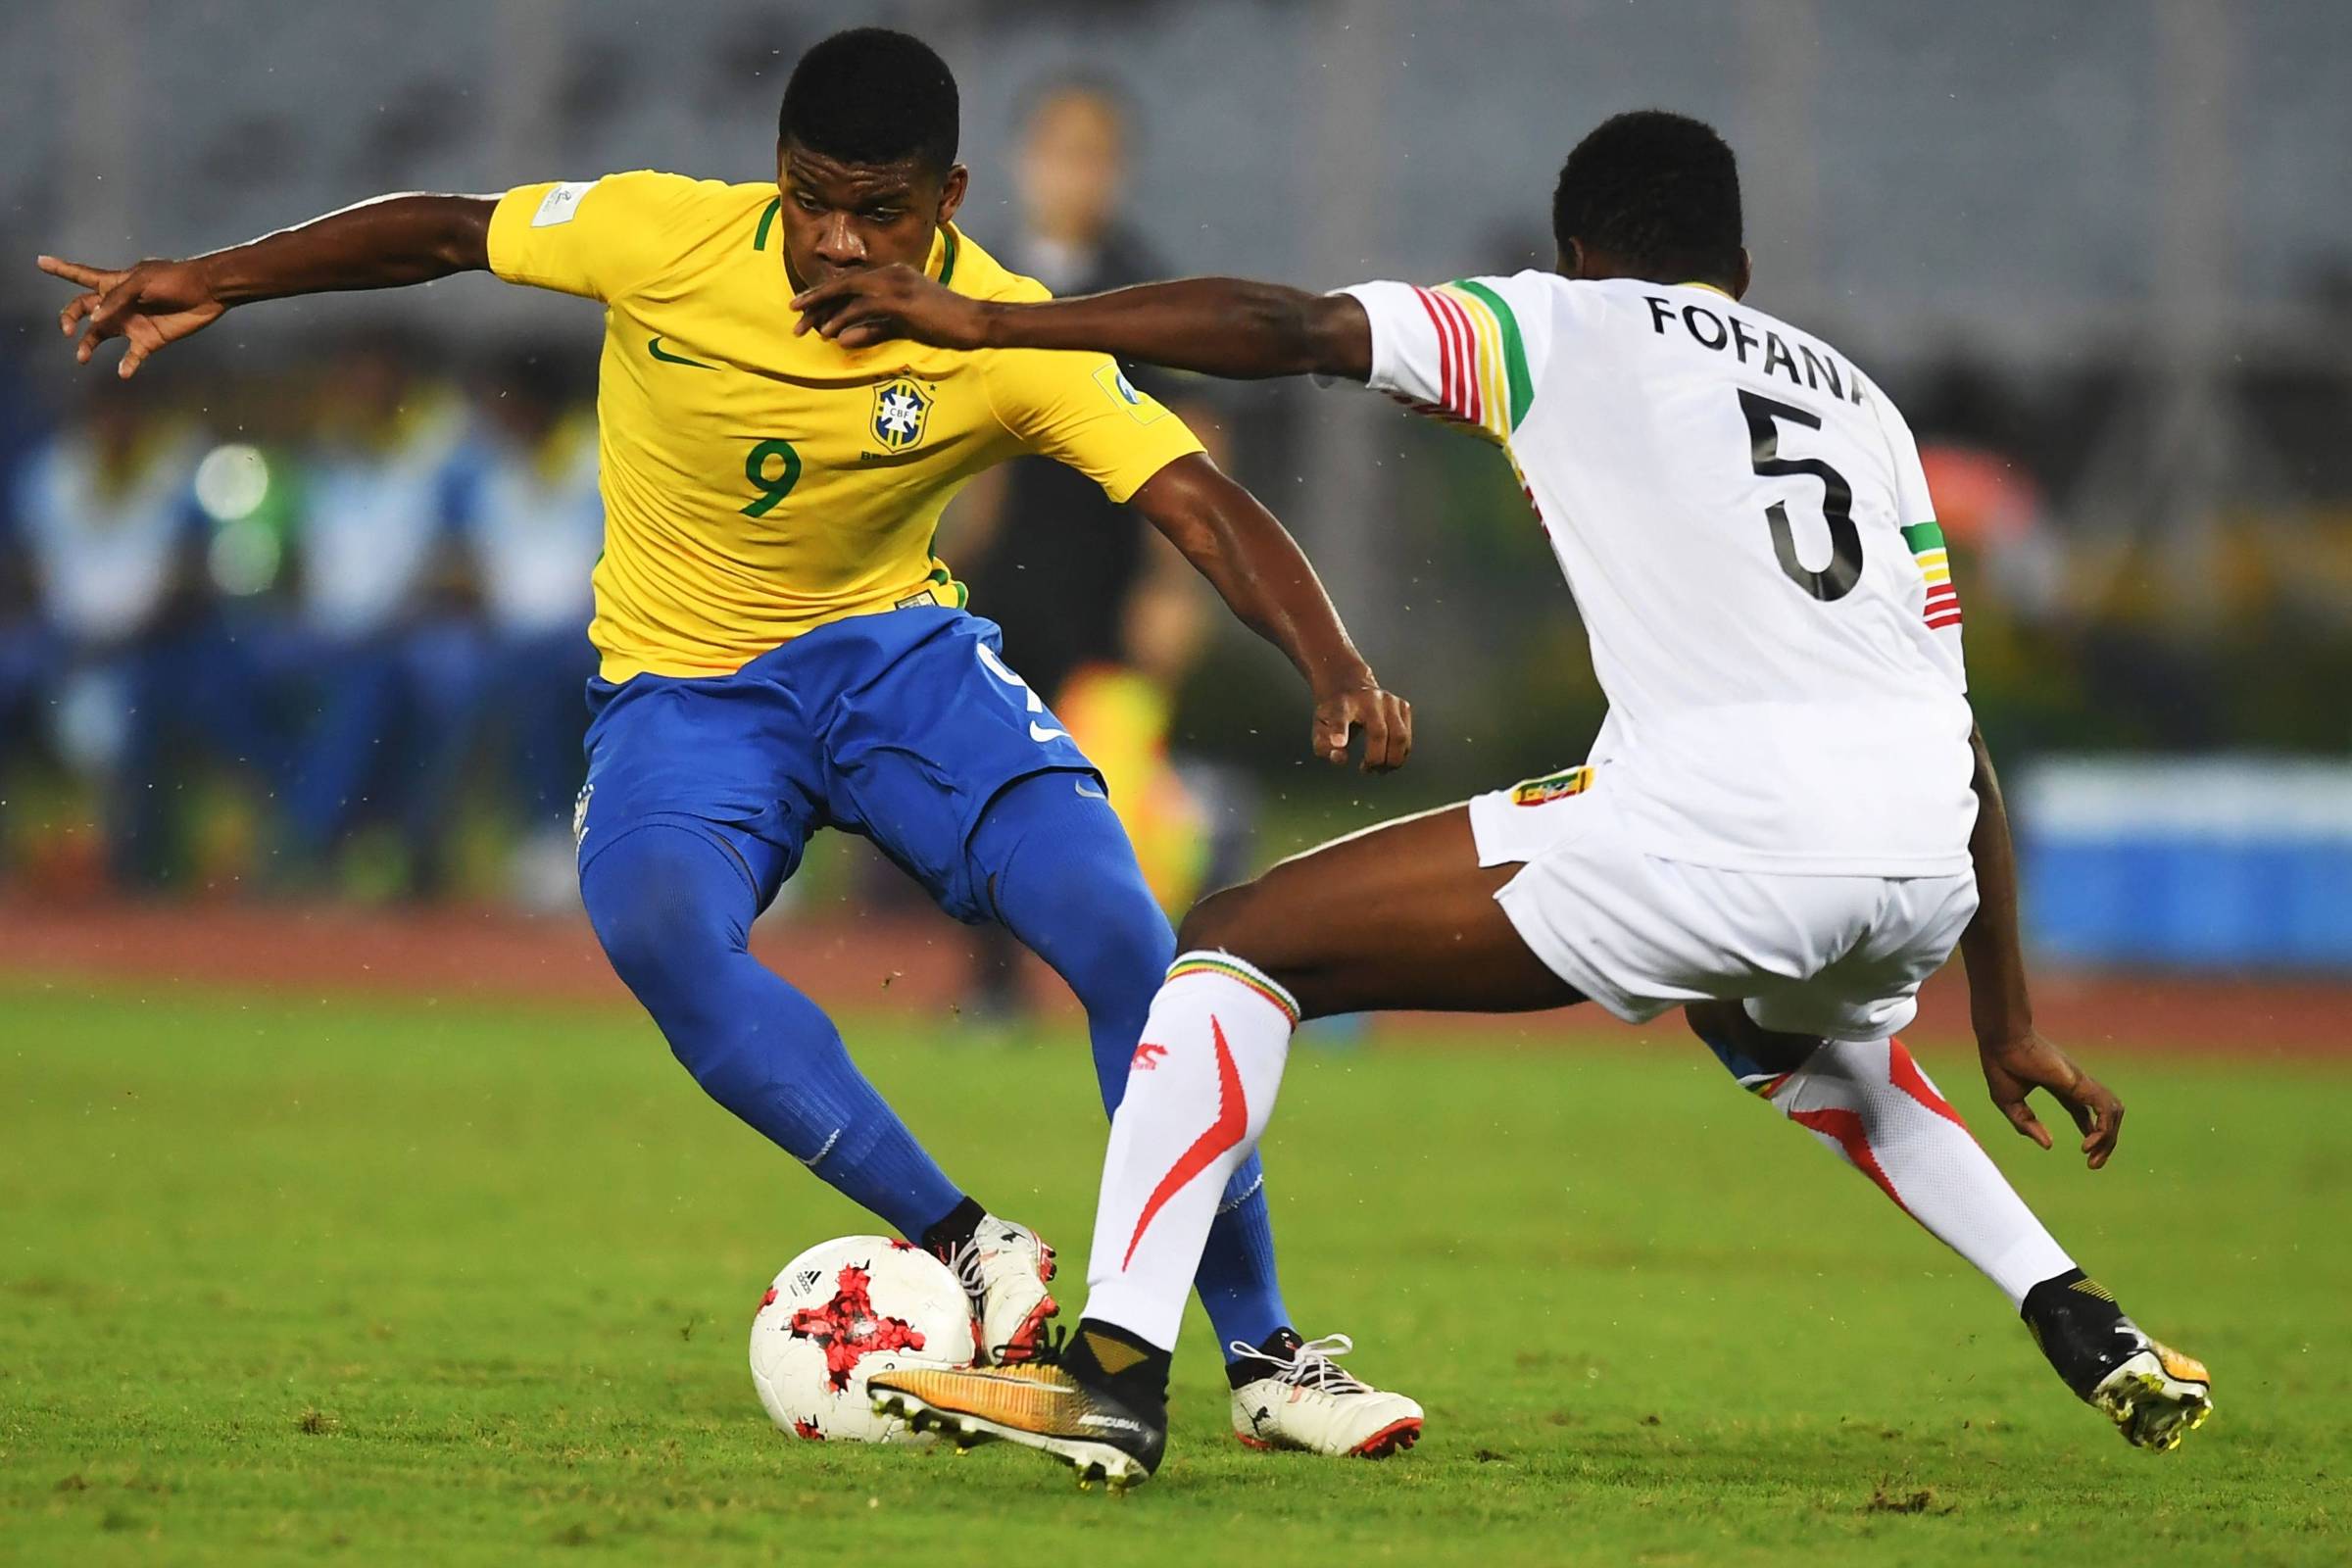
1839 957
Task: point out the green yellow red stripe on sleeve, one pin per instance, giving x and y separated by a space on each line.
1482 360
1503 350
1935 562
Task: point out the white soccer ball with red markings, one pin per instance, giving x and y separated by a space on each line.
842 1311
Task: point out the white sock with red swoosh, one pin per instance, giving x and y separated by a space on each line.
1199 1092
1873 1105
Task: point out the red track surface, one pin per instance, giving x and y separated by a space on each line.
919 964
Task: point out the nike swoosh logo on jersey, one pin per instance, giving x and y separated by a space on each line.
1040 734
1090 792
655 349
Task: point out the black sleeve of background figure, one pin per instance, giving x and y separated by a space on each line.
1127 259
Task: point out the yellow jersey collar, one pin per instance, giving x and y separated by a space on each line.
1709 287
946 247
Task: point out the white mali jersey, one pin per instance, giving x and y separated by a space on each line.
1742 519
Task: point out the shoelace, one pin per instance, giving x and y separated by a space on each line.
1053 1345
965 1259
1310 1366
964 1262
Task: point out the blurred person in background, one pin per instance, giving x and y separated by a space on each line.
24 648
534 524
1101 613
122 637
25 682
385 667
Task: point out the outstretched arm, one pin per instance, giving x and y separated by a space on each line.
1223 326
1258 568
386 244
2016 1060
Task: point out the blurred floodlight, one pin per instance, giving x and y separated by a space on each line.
243 557
231 481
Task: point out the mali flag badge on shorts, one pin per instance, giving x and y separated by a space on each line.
900 411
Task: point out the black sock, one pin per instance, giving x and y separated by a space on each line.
2074 1318
2073 1291
943 1239
1134 1369
1284 1343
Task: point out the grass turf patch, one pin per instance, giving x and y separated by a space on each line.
287 1277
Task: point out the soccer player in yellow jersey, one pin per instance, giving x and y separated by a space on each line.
781 652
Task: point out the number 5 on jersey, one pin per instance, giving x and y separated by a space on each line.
1837 579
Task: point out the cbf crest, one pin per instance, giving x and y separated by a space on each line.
902 410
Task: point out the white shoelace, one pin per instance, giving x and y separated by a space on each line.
1310 1366
965 1261
966 1264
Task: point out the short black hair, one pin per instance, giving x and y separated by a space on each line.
1658 191
873 95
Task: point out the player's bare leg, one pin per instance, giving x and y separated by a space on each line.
1399 916
1870 1103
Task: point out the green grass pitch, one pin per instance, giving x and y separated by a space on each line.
291 1279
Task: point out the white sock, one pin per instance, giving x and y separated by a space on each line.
1198 1097
1873 1105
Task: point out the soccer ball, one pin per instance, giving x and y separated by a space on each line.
845 1309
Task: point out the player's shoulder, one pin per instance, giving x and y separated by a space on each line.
966 266
682 200
1519 295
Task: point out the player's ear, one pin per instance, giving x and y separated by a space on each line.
950 192
1572 258
1746 275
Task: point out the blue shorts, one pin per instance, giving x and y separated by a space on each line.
900 727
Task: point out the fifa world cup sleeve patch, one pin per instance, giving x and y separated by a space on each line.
1553 787
1141 409
561 203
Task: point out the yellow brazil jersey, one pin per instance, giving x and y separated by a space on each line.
757 484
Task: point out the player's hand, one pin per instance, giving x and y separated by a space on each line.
147 306
1385 719
2015 1066
862 307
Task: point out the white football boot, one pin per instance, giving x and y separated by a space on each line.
1004 1269
1306 1401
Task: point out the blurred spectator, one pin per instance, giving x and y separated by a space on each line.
385 668
534 526
1992 512
24 658
125 636
1101 615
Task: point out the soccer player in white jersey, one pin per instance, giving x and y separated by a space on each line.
1787 824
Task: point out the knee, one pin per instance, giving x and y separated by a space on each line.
1232 921
654 920
1120 945
1077 897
